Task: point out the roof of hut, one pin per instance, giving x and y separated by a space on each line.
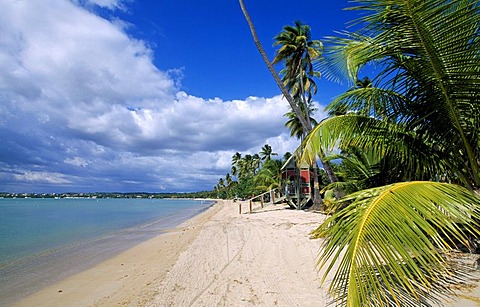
292 163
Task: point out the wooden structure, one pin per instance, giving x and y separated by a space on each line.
267 198
297 183
296 190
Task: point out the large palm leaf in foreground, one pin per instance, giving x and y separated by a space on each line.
390 242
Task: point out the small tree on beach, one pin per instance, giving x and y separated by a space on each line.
269 176
296 129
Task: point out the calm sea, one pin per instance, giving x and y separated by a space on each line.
45 240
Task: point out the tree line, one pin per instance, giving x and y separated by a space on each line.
251 174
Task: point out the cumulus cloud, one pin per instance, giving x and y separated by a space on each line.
44 177
82 108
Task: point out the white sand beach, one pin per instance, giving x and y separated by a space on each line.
219 258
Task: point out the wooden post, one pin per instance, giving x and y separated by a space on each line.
250 206
272 196
239 207
261 201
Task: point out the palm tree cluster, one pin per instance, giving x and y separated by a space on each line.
254 174
419 119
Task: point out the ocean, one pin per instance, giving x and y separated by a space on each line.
45 240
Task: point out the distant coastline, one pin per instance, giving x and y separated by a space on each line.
199 195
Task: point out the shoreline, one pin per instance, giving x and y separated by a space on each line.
217 258
77 264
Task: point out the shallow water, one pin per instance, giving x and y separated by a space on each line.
45 240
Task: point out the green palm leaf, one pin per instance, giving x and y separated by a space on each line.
390 241
370 101
403 148
355 172
429 51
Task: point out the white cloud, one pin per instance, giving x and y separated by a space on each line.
108 4
77 161
42 177
82 105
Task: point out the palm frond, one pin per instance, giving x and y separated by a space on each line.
344 56
389 242
412 156
370 101
429 54
350 186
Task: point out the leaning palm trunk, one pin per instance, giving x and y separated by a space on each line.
307 128
272 70
317 199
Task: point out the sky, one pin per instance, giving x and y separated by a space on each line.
143 96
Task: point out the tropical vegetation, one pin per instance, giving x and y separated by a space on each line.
419 117
251 174
407 136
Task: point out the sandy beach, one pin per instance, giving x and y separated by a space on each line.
218 258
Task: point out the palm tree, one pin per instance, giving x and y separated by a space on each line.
256 162
296 129
235 158
286 156
358 170
270 67
234 171
302 90
298 51
269 176
291 101
221 184
228 179
267 153
421 116
246 166
365 82
235 167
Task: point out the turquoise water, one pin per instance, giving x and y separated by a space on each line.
44 240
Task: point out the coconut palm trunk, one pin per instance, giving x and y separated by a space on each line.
272 70
307 128
317 199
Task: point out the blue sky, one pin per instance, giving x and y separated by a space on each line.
155 96
213 45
